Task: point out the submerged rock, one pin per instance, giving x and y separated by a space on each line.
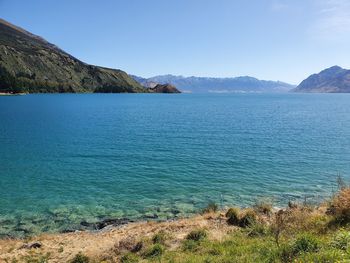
106 222
150 216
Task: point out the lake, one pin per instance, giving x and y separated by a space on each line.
68 158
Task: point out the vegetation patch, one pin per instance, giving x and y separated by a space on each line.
80 258
212 207
155 251
249 218
232 216
160 238
197 235
130 258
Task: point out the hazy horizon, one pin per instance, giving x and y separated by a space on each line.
269 40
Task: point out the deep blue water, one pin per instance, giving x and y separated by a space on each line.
66 158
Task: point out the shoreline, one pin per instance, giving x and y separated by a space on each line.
96 242
99 244
299 232
12 94
106 223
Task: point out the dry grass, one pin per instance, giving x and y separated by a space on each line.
340 206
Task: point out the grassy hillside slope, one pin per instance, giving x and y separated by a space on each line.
29 63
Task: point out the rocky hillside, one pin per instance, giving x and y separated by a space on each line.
204 84
166 88
28 63
331 80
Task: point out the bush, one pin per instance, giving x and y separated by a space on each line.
292 205
249 218
263 207
190 245
341 240
155 251
80 258
159 238
340 206
129 258
232 216
306 243
197 235
129 244
212 207
258 229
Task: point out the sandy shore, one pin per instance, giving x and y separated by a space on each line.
103 244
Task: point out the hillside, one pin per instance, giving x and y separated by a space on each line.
332 80
28 63
204 84
163 88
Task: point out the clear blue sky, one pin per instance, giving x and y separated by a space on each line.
268 39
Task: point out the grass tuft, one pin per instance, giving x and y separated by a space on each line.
155 251
159 238
212 207
197 235
306 243
80 258
249 218
129 258
232 216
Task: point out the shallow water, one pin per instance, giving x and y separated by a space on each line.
66 158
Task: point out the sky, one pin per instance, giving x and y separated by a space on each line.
268 39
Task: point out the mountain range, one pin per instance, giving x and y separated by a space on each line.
30 64
216 85
332 80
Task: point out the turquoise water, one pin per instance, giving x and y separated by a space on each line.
67 158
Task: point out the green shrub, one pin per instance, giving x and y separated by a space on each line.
212 207
232 216
197 235
263 207
285 253
258 229
324 256
155 251
306 243
159 238
216 249
80 258
249 218
129 258
190 245
341 240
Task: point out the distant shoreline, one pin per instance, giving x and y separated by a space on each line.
12 94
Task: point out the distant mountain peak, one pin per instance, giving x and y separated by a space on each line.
332 70
331 80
